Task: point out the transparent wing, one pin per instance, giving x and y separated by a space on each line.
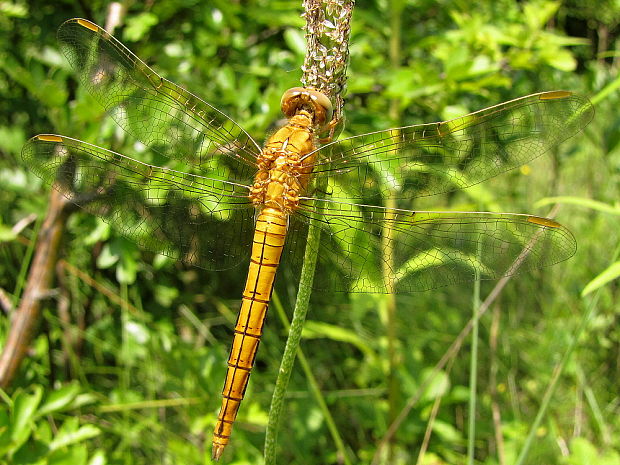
155 111
198 219
440 157
372 249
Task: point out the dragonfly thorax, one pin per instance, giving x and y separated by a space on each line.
283 172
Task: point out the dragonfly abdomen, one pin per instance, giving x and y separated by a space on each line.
269 237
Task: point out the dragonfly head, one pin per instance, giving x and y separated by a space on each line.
302 98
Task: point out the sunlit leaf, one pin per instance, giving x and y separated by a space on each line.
59 399
609 274
316 329
581 202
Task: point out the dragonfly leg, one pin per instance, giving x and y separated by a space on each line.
330 128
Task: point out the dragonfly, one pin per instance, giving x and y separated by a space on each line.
222 198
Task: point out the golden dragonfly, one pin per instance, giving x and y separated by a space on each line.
222 199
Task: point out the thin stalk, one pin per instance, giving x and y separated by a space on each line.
150 404
497 417
314 386
594 406
432 418
21 278
557 372
387 246
473 373
124 379
389 304
294 336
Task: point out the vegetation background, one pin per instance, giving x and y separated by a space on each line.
130 371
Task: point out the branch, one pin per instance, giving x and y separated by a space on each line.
40 278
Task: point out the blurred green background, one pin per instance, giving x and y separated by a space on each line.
131 371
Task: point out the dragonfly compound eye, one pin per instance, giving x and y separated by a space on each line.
302 98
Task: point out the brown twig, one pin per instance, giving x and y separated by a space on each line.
5 302
40 278
23 223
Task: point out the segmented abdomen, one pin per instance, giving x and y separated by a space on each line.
269 237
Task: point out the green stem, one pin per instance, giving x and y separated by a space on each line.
21 278
396 8
314 387
389 303
473 373
557 372
294 336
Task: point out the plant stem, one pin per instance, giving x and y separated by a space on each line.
37 286
23 271
396 7
473 373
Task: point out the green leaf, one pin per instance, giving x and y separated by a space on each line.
6 234
98 458
84 399
562 60
13 9
538 13
106 258
580 201
100 233
12 138
127 269
400 81
139 25
66 438
609 274
72 456
51 93
606 91
5 436
447 432
438 386
316 329
583 452
438 257
32 452
137 333
59 399
24 408
247 92
165 295
226 78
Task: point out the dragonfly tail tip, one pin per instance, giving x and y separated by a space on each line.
218 449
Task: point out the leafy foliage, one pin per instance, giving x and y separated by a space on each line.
128 365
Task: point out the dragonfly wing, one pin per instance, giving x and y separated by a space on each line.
155 111
203 221
440 157
373 249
